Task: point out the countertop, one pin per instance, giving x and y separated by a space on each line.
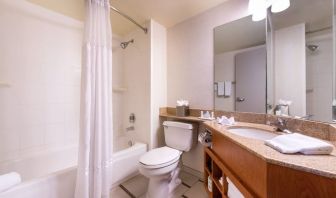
324 165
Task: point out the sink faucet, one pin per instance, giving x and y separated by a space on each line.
280 124
307 117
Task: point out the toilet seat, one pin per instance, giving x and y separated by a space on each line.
160 157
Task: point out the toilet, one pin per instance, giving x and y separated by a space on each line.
160 165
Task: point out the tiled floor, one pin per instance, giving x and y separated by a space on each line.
136 187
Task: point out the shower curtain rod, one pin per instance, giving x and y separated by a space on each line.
129 18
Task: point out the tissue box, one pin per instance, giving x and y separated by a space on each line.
182 111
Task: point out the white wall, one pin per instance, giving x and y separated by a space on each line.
40 57
319 78
190 62
190 54
225 70
158 35
290 67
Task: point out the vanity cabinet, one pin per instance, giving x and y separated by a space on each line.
213 170
254 176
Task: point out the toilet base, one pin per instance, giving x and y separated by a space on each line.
175 181
163 186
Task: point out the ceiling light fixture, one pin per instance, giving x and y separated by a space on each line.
258 8
280 5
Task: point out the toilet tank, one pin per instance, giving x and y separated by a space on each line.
179 135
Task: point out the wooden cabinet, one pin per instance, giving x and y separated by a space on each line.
213 169
255 177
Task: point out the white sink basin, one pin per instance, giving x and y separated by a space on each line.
253 133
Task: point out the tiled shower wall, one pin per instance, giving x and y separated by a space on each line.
40 58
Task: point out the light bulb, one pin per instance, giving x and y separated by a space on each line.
260 15
258 9
280 5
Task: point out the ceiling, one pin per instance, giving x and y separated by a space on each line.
240 34
316 14
165 12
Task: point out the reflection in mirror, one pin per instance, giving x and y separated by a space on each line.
334 65
300 64
240 66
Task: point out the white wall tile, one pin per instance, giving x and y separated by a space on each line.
41 60
31 136
9 140
54 134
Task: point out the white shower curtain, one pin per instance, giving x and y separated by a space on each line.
95 142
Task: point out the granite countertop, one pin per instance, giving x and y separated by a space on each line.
324 165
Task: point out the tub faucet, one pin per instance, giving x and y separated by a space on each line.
280 124
131 128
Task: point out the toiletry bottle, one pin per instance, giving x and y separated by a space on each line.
209 184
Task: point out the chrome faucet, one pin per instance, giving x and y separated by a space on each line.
280 124
307 117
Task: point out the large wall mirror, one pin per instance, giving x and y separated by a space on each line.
283 65
240 66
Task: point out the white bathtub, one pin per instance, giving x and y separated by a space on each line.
61 184
40 164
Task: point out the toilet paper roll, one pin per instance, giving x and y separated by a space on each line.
205 138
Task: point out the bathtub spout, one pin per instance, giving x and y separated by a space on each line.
131 128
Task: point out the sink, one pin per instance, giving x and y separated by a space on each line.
259 134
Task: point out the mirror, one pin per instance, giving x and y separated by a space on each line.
301 60
240 66
283 65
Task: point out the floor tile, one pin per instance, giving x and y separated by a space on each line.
179 191
196 191
188 178
194 172
143 196
118 193
137 185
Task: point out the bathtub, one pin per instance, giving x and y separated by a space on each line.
60 183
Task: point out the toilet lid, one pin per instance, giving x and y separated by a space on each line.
159 156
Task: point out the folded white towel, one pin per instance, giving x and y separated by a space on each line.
220 88
233 191
9 180
298 143
226 121
227 91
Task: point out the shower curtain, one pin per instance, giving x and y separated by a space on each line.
95 141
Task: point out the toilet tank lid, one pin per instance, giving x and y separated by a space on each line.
178 124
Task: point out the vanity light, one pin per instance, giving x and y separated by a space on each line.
258 8
280 5
260 15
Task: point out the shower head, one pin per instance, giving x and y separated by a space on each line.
125 44
312 48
